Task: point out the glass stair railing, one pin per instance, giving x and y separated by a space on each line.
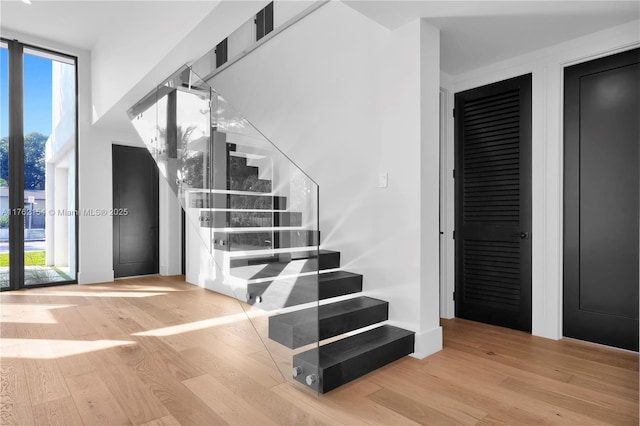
256 212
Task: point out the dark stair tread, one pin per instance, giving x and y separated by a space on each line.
328 288
327 310
307 288
347 359
302 327
341 350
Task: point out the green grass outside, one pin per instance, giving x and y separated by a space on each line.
31 258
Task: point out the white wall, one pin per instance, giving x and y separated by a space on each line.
60 159
430 339
71 201
121 58
241 38
547 155
285 10
346 104
170 231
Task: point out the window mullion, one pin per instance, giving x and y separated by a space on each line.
16 164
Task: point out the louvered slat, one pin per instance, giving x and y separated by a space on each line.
492 272
491 158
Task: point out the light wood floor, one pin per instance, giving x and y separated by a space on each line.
158 351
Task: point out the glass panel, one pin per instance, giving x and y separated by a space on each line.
4 166
256 213
49 168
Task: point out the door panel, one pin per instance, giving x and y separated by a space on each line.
493 203
135 195
602 106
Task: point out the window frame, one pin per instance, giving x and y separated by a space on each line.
16 51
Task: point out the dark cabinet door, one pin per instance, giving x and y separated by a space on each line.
493 203
601 137
135 219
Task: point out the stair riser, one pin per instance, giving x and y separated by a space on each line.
246 241
329 260
341 287
235 201
295 336
353 368
239 219
252 184
245 178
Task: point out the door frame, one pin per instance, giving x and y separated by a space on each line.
447 204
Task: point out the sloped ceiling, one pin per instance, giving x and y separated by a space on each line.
83 24
134 44
477 33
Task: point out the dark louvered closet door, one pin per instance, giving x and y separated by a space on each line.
493 204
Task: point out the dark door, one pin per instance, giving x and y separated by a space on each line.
493 203
601 134
135 218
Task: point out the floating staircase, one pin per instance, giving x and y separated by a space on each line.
295 278
264 239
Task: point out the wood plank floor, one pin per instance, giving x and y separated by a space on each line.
157 351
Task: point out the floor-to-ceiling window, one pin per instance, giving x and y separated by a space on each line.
37 166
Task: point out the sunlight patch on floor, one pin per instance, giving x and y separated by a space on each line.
89 293
54 348
27 313
193 326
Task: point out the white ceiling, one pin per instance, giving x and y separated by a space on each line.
477 33
82 24
473 33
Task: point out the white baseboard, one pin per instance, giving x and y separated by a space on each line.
428 342
95 277
167 271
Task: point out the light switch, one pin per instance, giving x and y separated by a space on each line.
383 180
